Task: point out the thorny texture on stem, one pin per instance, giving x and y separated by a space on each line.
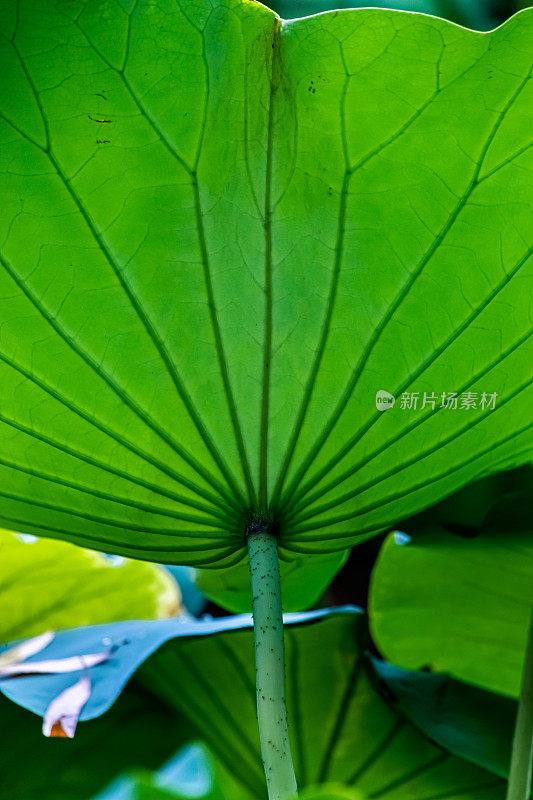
270 662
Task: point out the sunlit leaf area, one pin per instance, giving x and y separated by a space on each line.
266 427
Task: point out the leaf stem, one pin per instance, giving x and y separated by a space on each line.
270 663
519 787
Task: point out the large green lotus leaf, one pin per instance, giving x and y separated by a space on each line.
452 610
221 236
137 732
46 585
303 581
343 728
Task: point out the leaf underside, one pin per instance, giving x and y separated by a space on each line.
342 729
221 235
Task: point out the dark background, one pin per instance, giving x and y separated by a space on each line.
481 15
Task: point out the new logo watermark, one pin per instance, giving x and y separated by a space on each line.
384 400
452 401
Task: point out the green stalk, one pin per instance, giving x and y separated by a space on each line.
270 663
519 787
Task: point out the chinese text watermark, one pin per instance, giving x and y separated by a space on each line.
413 401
